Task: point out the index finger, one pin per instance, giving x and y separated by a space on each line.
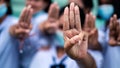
77 19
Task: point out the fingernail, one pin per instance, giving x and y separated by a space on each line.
76 7
72 3
66 10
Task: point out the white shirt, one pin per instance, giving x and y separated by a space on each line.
9 57
44 59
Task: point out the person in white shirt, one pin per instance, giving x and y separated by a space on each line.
42 60
28 34
9 57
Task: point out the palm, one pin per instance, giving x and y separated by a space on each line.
90 28
75 38
78 51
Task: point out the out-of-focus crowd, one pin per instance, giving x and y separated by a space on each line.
57 34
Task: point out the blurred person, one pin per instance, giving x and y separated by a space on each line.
48 61
105 11
53 56
8 51
40 14
110 53
53 59
109 32
113 36
27 31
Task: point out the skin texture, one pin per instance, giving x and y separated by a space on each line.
51 24
92 32
76 40
22 29
114 35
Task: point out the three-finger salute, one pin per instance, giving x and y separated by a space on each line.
23 27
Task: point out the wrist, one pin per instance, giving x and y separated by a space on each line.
86 62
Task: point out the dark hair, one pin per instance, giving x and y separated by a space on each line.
49 3
82 15
9 10
88 3
106 2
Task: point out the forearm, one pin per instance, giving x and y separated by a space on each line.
86 62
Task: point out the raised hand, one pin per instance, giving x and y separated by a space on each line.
90 28
25 17
53 12
90 23
76 40
114 35
22 29
51 22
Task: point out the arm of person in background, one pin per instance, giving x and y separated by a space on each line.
22 28
52 18
114 34
76 40
90 28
